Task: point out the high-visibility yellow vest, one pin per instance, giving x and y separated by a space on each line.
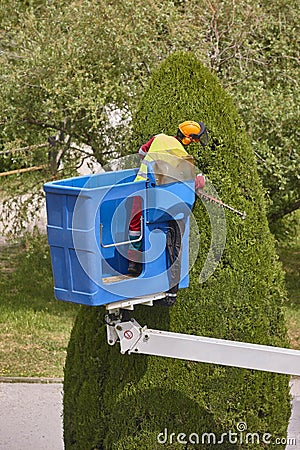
164 149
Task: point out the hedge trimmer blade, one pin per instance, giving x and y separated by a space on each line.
218 202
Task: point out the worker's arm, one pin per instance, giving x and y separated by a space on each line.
199 184
143 150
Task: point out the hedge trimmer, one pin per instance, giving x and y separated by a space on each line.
218 202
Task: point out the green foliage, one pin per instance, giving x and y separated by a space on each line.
114 401
68 66
269 103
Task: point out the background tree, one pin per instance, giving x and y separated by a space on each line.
71 67
115 401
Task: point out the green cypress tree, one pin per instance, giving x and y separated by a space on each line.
114 401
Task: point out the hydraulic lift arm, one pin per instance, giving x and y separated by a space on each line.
136 339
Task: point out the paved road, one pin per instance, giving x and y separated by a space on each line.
294 426
31 416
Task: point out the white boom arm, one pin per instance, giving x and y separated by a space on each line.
135 339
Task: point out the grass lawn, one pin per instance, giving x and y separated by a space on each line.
290 258
35 328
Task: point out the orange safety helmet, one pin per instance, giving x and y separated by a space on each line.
190 131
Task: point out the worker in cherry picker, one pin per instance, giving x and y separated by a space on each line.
188 132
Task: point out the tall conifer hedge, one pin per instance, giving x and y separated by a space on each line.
114 401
